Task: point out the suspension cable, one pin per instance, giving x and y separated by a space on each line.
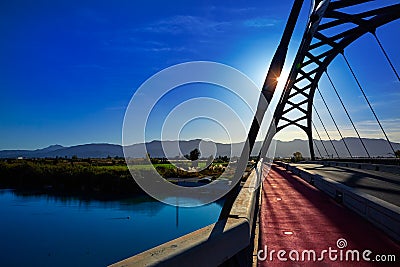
320 139
369 104
337 128
348 115
386 55
323 125
319 152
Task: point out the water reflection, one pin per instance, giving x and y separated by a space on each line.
49 230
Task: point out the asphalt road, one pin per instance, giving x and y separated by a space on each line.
385 186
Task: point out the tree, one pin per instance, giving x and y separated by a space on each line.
222 159
194 154
397 153
297 156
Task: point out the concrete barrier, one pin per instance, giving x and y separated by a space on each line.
357 165
382 214
214 244
389 168
354 165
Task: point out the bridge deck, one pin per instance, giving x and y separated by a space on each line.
383 185
296 216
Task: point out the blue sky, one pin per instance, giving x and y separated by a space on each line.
70 68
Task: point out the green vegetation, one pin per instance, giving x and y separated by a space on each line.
109 176
170 171
67 176
297 156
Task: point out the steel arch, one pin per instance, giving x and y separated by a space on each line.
318 49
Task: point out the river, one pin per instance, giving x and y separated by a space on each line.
44 230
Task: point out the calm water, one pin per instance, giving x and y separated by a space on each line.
52 231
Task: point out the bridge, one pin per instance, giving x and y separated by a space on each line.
338 199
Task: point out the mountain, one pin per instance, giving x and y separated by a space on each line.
88 151
376 147
172 149
29 153
50 148
83 151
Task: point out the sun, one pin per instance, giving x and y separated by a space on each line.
281 79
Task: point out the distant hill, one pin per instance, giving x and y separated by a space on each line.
376 147
30 153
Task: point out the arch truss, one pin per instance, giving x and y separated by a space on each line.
331 28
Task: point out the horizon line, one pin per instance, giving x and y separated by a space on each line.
156 140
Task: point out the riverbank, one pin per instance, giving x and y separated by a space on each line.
98 178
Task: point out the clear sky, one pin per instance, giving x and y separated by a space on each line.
70 68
